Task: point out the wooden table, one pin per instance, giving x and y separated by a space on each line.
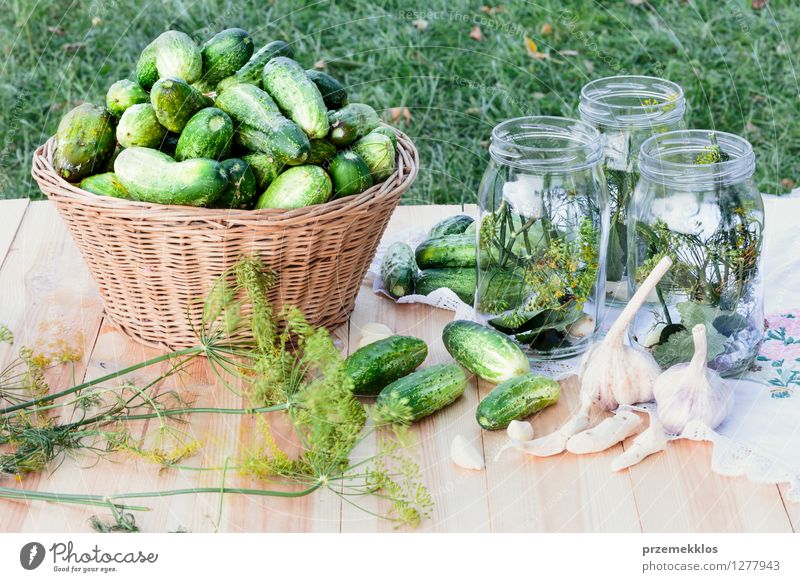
45 289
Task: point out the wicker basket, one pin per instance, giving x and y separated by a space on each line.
150 261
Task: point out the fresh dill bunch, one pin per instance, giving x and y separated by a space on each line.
256 283
6 335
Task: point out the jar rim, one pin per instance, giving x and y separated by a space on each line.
582 143
653 165
596 107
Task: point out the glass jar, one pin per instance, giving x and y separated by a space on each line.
542 235
696 201
627 110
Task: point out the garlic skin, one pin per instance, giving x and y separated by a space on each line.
463 454
519 430
693 392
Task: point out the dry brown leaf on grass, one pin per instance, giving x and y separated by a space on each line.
395 113
420 24
476 34
73 47
57 30
533 50
547 28
759 4
788 183
492 10
320 64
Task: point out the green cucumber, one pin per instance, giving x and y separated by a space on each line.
151 176
388 132
421 393
262 125
333 92
241 191
349 173
253 69
502 289
225 53
451 225
460 281
296 95
378 152
380 363
515 399
452 250
487 353
105 184
208 134
85 141
175 102
398 270
146 71
266 167
139 126
320 152
123 94
297 187
351 122
178 56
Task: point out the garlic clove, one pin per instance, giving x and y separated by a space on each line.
519 430
375 328
651 441
556 442
368 339
608 433
465 455
581 328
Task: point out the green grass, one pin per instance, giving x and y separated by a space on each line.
735 63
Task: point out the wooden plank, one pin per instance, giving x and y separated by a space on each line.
11 213
676 491
46 295
459 495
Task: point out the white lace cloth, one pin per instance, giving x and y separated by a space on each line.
760 439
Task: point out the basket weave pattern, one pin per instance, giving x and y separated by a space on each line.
151 261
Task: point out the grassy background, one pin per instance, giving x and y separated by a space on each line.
735 62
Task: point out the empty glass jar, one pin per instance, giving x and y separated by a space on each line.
542 235
696 201
627 110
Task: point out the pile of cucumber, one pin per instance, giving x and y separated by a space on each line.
222 126
446 259
386 369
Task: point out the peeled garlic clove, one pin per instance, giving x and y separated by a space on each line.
653 440
605 435
465 455
519 430
556 442
692 392
376 328
368 339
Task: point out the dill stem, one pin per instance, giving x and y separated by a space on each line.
180 411
125 371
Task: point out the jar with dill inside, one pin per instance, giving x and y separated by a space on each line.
627 110
697 202
542 235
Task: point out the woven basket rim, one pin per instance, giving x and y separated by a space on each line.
42 168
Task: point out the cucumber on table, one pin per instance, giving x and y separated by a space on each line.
208 134
105 184
516 399
398 269
124 93
175 102
421 393
223 54
252 70
378 152
380 363
263 127
139 126
241 191
297 187
333 92
489 354
85 141
178 56
351 122
349 173
460 280
452 250
151 176
451 225
296 95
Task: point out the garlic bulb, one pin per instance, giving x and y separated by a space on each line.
611 373
692 392
465 455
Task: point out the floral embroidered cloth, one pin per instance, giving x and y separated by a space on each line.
778 362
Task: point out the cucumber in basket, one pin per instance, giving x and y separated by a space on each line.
349 173
223 54
297 95
333 92
241 191
105 184
297 187
175 102
380 363
398 270
123 94
515 399
489 354
139 126
207 135
377 151
421 393
352 122
85 139
252 70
